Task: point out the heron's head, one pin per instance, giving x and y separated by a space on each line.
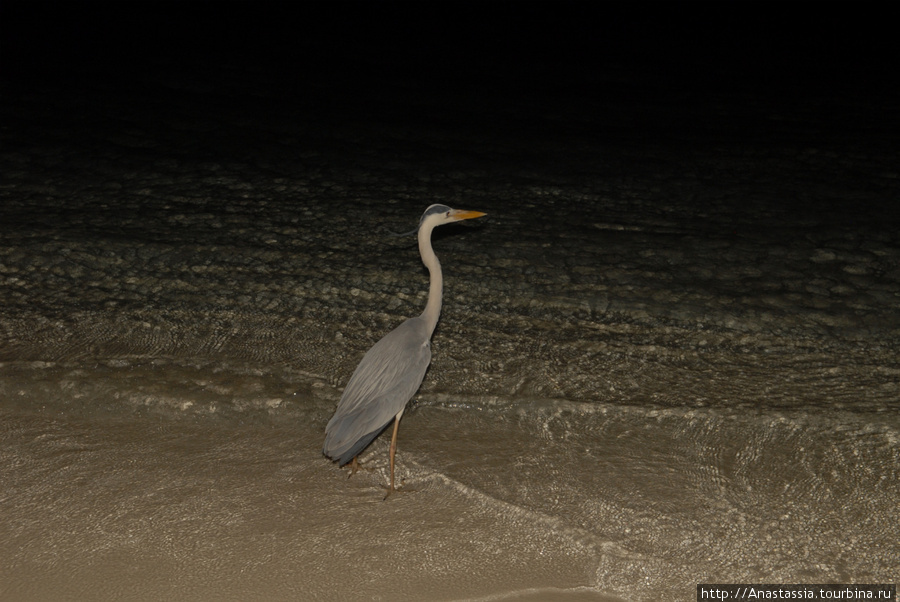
438 215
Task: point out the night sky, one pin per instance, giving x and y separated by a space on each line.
763 47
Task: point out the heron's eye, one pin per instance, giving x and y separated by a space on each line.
448 214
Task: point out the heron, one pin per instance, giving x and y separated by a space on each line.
391 371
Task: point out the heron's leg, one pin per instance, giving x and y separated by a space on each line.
394 450
354 466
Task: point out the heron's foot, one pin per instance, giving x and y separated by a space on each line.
390 490
396 489
354 466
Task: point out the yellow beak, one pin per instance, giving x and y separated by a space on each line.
461 214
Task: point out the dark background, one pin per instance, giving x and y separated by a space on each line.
777 47
570 75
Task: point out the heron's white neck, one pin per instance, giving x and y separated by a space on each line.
436 287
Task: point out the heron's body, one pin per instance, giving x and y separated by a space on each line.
392 370
385 380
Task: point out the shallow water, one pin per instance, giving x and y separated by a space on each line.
663 360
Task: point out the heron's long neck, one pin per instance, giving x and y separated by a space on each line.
436 287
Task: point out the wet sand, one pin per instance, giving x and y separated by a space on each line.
667 356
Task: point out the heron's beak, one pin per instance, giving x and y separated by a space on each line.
460 214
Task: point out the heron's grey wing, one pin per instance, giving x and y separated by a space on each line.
386 379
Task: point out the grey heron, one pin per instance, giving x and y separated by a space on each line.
392 370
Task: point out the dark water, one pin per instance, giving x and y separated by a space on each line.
668 355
